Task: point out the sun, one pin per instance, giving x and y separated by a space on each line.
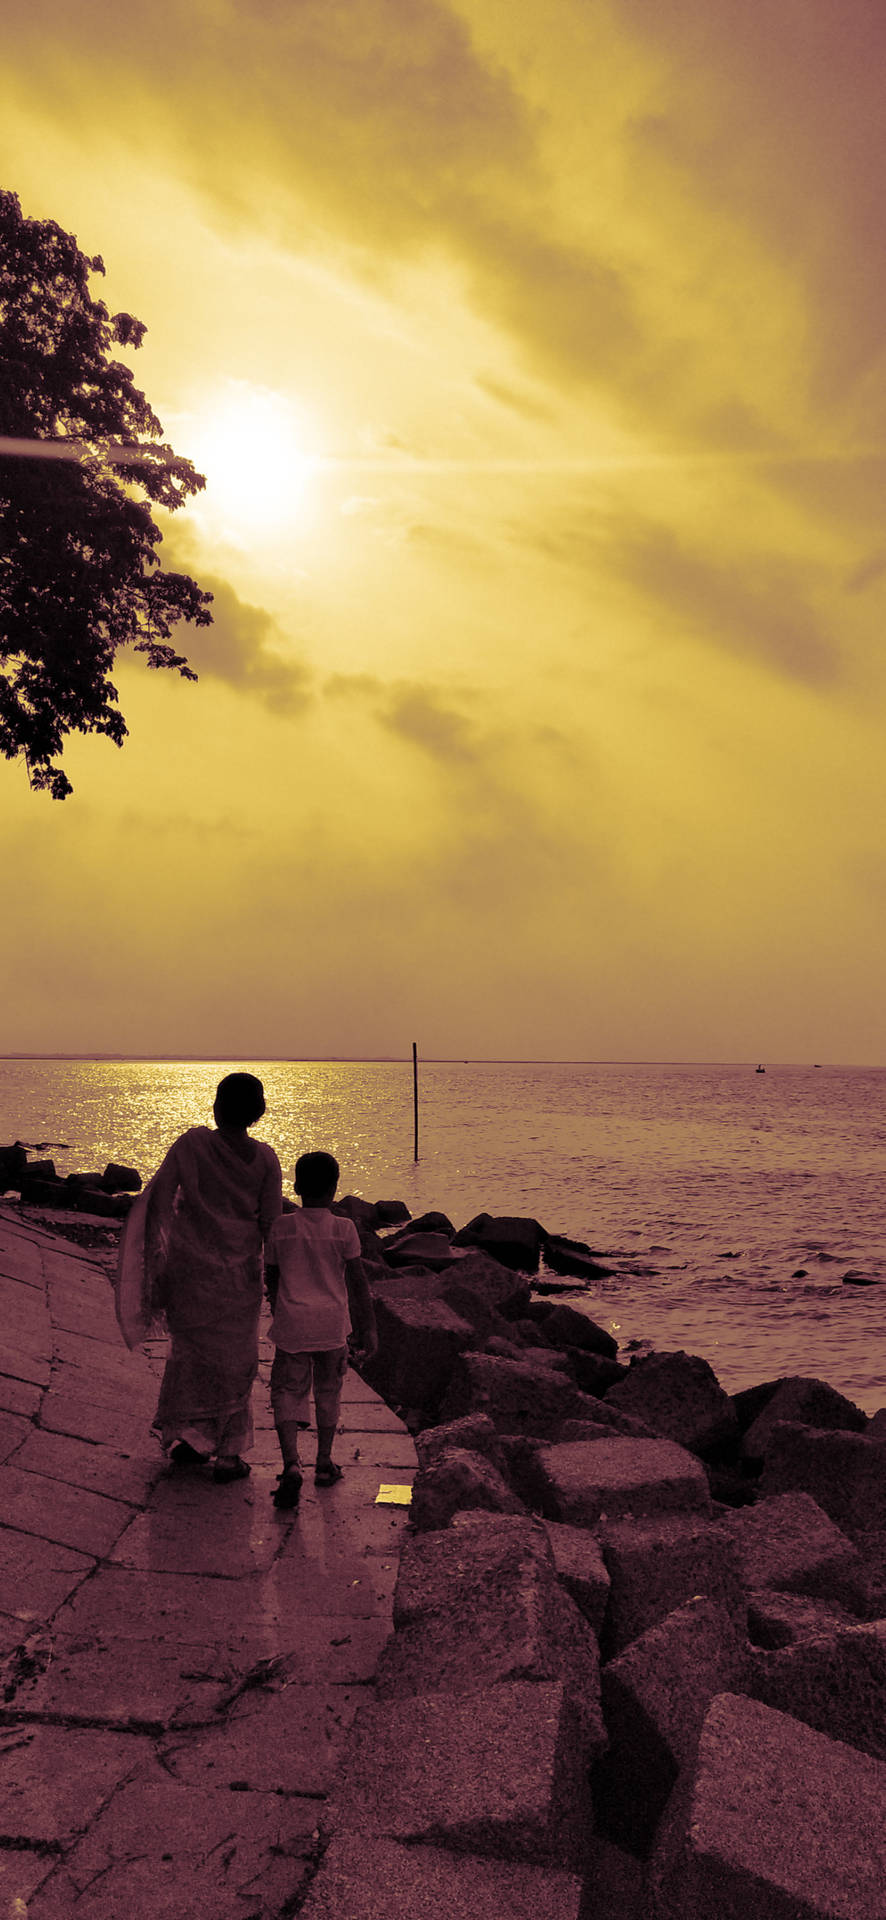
250 443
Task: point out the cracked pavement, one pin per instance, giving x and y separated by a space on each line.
179 1661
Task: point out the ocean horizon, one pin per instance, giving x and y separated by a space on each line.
729 1203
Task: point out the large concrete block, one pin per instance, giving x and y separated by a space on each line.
844 1472
519 1396
419 1341
474 1431
655 1697
459 1479
479 1555
479 1281
581 1568
655 1566
788 1543
528 1629
366 1879
589 1480
836 1683
776 1821
802 1398
785 1619
680 1397
502 1773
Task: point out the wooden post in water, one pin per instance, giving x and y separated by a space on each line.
415 1094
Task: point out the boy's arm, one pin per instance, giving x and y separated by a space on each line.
361 1307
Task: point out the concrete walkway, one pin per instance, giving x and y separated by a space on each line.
180 1662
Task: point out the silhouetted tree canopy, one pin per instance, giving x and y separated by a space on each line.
79 575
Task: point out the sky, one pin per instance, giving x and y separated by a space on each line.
535 360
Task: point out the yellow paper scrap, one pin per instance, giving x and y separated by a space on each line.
393 1496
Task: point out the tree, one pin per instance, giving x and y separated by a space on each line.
79 574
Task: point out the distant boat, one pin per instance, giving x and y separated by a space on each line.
760 1069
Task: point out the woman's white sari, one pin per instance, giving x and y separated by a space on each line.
192 1251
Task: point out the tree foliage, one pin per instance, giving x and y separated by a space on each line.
79 446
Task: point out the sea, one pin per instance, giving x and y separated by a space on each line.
729 1202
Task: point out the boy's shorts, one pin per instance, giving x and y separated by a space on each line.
294 1374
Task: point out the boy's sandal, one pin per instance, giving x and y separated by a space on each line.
234 1469
289 1484
327 1476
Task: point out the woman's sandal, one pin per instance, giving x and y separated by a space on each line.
184 1455
288 1489
326 1476
233 1469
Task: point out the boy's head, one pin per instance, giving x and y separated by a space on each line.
239 1100
316 1178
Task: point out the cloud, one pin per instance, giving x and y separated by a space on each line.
419 714
749 603
746 599
237 649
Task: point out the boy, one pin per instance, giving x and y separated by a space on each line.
315 1283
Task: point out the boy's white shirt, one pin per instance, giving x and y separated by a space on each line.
311 1246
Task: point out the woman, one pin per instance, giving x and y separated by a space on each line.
196 1253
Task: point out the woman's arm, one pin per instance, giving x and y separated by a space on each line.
270 1205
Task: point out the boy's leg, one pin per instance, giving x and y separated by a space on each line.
329 1372
290 1400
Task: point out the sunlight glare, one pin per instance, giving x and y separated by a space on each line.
250 444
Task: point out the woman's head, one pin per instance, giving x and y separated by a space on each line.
239 1100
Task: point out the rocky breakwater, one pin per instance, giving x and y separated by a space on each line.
638 1664
107 1195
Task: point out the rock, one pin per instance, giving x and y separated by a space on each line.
656 1565
574 1257
844 1472
459 1478
389 1213
680 1397
425 1223
588 1480
474 1431
419 1249
751 1401
503 1773
876 1427
836 1682
117 1179
516 1242
91 1181
774 1821
480 1555
594 1374
788 1543
477 1281
352 1206
655 1697
566 1327
783 1619
13 1166
581 1569
520 1396
521 1628
45 1193
41 1170
364 1878
808 1400
419 1341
